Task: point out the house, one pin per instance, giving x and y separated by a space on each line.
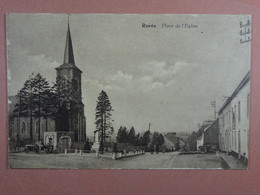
234 121
200 142
170 140
173 142
209 136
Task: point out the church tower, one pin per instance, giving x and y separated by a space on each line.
74 115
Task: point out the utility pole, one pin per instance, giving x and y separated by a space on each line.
213 104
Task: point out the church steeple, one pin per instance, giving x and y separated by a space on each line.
69 71
68 53
68 61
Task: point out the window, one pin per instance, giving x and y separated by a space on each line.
229 126
235 112
232 138
239 117
37 126
224 115
234 118
248 105
23 130
235 139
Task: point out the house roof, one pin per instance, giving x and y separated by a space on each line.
240 86
207 128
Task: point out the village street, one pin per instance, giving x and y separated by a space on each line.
172 160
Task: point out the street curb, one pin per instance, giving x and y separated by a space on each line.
224 163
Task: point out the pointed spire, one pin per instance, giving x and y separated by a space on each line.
68 54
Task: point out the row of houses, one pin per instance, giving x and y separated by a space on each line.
233 119
230 131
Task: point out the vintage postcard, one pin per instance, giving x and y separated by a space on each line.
128 91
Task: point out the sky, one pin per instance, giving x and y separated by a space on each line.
164 76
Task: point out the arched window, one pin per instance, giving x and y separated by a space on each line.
23 130
37 126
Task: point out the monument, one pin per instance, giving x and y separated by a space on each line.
96 144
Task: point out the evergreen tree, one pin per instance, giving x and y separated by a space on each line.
103 116
131 136
34 100
119 135
161 140
25 107
146 138
192 141
41 94
138 140
122 135
62 93
155 138
62 103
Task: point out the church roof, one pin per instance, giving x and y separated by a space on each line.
68 61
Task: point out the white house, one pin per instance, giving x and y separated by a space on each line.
234 120
200 141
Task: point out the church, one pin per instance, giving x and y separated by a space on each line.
68 127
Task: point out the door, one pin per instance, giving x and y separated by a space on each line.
239 143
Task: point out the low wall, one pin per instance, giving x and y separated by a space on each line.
114 156
126 155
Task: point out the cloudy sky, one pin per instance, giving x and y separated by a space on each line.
166 76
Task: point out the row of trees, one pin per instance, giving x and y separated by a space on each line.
38 99
104 128
129 136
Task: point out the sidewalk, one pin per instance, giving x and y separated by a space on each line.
232 162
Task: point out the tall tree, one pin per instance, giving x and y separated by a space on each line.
41 94
138 140
25 107
146 138
192 141
34 99
103 116
131 136
155 138
62 102
122 135
119 135
62 93
161 140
